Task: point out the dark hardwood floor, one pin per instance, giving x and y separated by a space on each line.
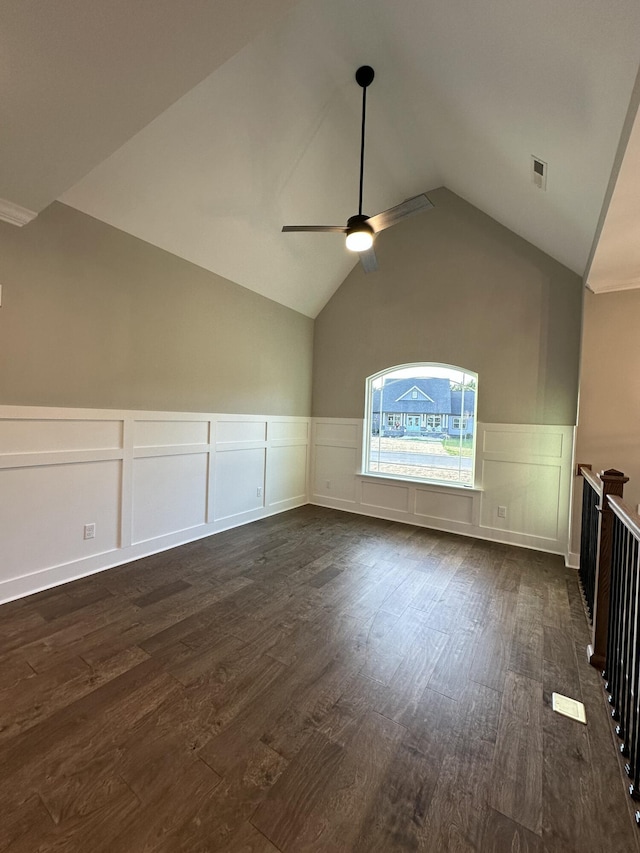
316 681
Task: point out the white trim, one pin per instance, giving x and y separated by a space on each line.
572 560
14 214
432 484
614 286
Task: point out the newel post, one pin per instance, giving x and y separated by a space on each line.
612 484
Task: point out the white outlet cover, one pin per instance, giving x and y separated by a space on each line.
568 707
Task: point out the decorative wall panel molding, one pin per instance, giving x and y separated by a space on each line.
147 480
525 468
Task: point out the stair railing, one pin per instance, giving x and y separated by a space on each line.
595 553
622 665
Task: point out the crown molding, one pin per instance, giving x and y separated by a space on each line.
614 286
14 214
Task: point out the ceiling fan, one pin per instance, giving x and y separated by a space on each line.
361 229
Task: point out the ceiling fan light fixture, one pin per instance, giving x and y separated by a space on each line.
359 234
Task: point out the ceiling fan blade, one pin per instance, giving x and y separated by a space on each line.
395 214
369 261
339 228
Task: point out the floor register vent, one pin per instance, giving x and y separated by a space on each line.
568 707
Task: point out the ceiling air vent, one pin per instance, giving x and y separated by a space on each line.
539 172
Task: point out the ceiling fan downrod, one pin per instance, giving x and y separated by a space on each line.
364 78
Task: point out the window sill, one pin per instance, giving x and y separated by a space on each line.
431 484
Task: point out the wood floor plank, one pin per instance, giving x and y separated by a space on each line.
459 807
451 672
516 779
223 825
41 696
396 818
560 665
503 835
163 817
320 802
412 676
93 831
160 593
492 653
567 777
30 819
71 736
527 648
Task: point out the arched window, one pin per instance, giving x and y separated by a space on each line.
420 423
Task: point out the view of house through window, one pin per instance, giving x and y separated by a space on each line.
420 423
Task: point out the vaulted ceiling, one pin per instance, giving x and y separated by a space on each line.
204 126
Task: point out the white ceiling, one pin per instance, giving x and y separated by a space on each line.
465 93
616 259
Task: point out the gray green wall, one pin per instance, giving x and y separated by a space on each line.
455 286
92 317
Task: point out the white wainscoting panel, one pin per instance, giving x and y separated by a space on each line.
47 505
524 468
235 432
239 474
170 433
169 494
287 474
147 480
289 431
334 467
336 453
442 505
385 496
529 492
23 436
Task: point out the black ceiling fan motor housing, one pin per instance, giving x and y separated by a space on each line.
364 76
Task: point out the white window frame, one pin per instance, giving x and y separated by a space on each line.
444 418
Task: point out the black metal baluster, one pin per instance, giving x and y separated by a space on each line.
632 767
616 674
624 620
589 544
614 607
624 728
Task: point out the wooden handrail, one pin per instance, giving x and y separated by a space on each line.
626 514
593 479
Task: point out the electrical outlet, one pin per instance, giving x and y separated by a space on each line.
259 492
327 484
502 512
90 531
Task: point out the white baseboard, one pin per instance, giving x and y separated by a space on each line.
521 540
572 560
